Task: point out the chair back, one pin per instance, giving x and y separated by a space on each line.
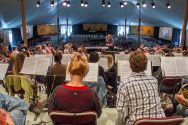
170 81
175 120
53 82
65 118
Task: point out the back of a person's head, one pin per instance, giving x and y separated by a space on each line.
19 60
58 57
138 61
93 57
78 66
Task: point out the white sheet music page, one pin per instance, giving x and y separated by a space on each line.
66 58
148 69
121 57
92 75
42 66
178 54
155 59
104 63
174 66
45 56
181 69
3 70
124 69
29 65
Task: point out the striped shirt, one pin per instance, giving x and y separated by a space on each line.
138 97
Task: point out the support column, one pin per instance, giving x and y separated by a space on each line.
58 25
183 37
139 22
23 11
125 29
67 26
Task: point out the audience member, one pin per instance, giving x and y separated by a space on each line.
94 58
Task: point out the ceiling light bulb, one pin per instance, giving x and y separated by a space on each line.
153 4
52 4
168 5
125 3
109 4
137 5
121 4
144 4
64 3
86 4
103 3
68 3
38 4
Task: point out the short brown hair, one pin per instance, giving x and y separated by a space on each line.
78 66
138 61
94 57
58 57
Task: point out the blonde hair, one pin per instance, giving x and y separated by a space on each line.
18 63
78 66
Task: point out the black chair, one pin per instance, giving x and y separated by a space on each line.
53 81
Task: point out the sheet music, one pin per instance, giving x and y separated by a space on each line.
42 66
3 70
121 57
92 75
104 63
174 66
148 70
124 69
45 56
35 66
178 54
155 59
66 58
181 67
29 65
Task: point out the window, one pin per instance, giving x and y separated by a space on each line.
10 36
121 30
65 30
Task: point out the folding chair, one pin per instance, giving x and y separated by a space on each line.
175 120
65 118
53 81
170 84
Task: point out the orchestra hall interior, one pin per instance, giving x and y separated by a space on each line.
93 62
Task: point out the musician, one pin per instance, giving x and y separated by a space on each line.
109 40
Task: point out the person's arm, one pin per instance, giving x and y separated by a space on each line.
181 99
52 102
97 105
102 73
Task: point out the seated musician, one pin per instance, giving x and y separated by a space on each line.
75 97
58 68
138 96
182 99
13 110
94 58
